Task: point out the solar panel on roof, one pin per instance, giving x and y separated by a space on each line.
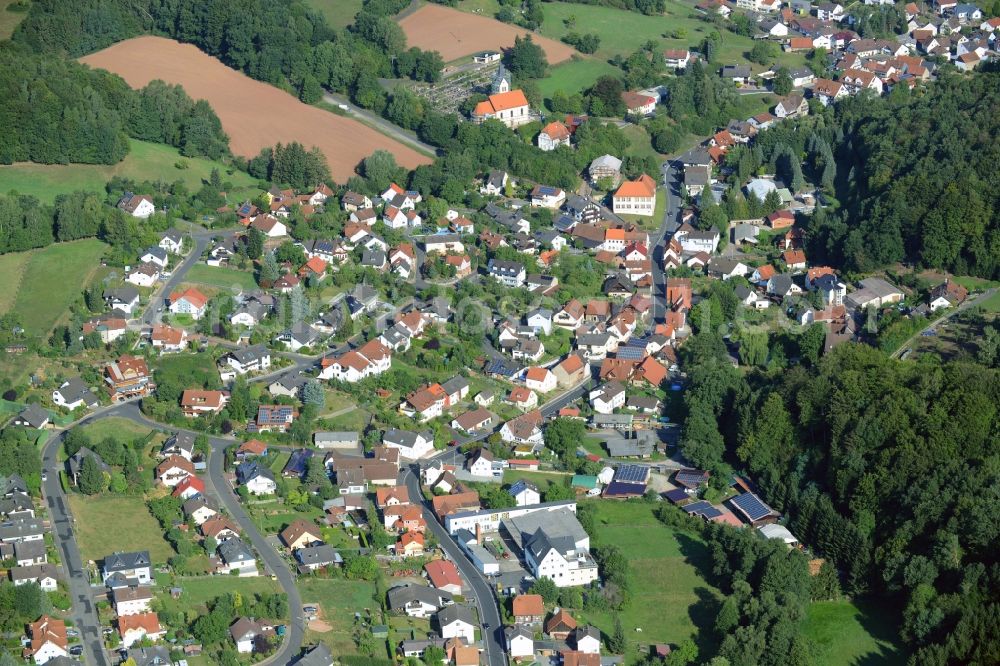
711 513
676 495
751 506
632 474
630 353
690 477
697 507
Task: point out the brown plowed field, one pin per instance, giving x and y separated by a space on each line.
253 114
455 33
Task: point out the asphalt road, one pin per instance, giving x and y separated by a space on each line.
379 123
216 484
671 221
480 591
83 613
201 241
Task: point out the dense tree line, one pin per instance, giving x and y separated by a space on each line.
57 111
648 7
292 165
768 589
917 177
886 469
284 42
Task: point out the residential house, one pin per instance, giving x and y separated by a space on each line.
443 575
32 416
792 106
258 478
676 59
168 339
125 299
553 135
411 445
190 302
827 91
128 378
48 641
457 621
247 360
370 360
235 556
299 534
523 398
546 196
273 418
137 205
739 74
525 493
195 402
570 317
46 576
144 275
948 294
523 430
418 600
133 568
173 470
571 371
638 104
473 421
509 273
495 183
541 380
607 398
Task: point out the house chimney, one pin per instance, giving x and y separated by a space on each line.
479 534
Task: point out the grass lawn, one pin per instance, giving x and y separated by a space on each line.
338 601
336 401
338 13
543 480
354 420
9 19
117 428
279 462
188 370
640 143
622 32
11 269
574 75
202 589
134 527
219 276
991 304
843 633
671 599
145 161
51 278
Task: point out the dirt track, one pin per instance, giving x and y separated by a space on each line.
455 33
253 114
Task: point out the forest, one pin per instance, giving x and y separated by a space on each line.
281 42
887 469
56 111
917 178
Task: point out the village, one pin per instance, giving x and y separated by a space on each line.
402 418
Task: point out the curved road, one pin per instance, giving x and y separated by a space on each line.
480 590
84 612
